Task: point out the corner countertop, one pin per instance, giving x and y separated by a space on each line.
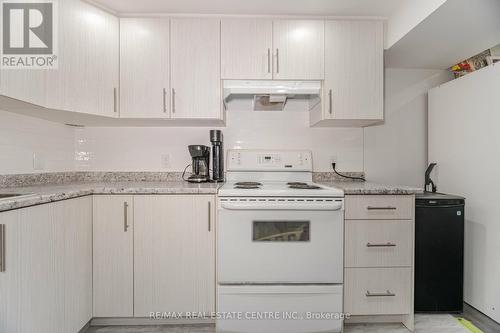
36 195
369 188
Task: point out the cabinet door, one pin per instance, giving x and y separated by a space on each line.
299 49
87 78
42 269
195 68
354 67
144 68
113 256
10 277
174 254
246 46
77 220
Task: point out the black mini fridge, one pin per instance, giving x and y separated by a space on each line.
439 253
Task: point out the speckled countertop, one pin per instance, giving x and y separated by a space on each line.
368 188
36 195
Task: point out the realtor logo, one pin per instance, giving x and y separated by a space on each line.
29 34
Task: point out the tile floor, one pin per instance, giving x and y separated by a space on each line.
423 324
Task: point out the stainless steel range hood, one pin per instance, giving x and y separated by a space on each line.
270 95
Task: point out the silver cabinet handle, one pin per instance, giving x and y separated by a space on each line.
380 245
115 100
2 248
269 60
173 100
277 61
330 98
125 216
381 208
388 293
209 216
164 100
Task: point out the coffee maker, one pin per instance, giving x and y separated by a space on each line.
200 165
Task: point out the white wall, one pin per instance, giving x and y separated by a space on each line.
21 137
465 143
396 152
141 149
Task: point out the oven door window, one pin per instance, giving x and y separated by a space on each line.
281 231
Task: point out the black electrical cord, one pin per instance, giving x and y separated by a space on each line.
184 172
334 165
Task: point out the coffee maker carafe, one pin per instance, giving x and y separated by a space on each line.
200 164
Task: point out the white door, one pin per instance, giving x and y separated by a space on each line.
174 254
42 269
77 220
353 88
246 46
144 68
87 78
113 256
259 244
195 68
10 275
299 49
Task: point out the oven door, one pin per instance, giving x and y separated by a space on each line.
280 241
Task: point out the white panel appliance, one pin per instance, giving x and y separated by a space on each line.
280 245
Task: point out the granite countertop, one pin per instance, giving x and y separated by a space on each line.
367 188
36 195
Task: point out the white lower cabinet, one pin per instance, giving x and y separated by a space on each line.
113 256
163 262
379 258
46 285
174 254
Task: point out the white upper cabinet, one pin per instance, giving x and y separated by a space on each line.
246 49
87 78
195 68
299 49
144 68
354 74
266 49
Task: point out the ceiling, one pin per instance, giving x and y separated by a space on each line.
457 30
381 8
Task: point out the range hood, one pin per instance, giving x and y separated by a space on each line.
270 95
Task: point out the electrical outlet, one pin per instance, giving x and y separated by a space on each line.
333 159
165 161
38 161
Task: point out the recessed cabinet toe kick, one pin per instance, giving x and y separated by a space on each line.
280 247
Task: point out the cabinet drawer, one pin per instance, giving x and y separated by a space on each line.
378 243
378 291
379 207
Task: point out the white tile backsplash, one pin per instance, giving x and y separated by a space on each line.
142 149
21 137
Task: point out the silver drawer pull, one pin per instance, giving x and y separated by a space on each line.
125 217
388 293
381 208
380 245
2 248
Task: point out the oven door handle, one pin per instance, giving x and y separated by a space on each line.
335 206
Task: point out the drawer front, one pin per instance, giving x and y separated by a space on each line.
378 291
378 243
379 207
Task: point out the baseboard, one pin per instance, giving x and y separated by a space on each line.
148 321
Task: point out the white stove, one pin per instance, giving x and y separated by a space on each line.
279 245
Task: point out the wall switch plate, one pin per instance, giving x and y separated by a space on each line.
165 161
38 161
